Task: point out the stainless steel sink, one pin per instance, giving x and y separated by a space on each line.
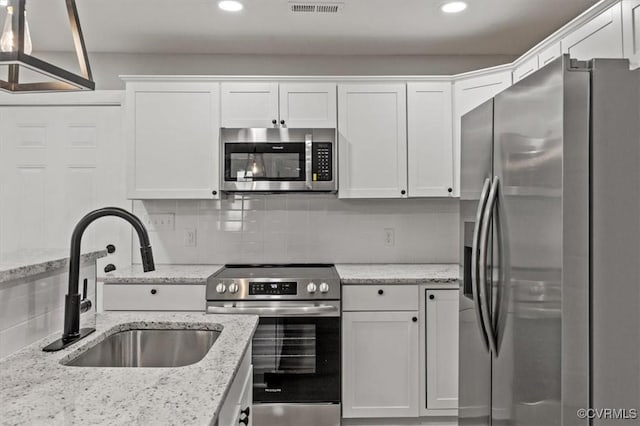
148 348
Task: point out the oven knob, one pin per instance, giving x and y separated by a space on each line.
233 288
311 288
221 288
324 288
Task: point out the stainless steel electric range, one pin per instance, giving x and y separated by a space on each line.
296 347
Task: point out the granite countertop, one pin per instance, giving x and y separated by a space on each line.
35 388
164 274
25 263
398 273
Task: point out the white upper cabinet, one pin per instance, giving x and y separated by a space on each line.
173 132
372 140
549 54
468 94
599 38
296 105
430 139
311 105
249 104
631 31
524 69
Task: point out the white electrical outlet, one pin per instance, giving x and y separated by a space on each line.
190 237
161 222
389 237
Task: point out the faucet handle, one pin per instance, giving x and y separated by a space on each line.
85 284
85 304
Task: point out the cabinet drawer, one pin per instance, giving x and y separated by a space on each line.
373 297
150 297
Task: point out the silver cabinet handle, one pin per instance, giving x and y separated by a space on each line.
474 260
482 258
273 310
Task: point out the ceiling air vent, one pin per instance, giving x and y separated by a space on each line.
315 7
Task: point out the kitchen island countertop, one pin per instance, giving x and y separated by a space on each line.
35 388
27 262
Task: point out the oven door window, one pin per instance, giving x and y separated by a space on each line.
296 360
245 162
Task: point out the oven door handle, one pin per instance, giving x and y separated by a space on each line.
274 310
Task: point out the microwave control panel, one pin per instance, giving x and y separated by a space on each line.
321 162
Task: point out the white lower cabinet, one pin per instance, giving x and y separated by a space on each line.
238 405
399 353
380 364
441 321
154 297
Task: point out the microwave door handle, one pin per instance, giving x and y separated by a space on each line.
483 261
308 148
482 202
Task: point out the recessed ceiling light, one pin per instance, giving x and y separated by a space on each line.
230 5
454 7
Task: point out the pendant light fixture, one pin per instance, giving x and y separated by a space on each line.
16 48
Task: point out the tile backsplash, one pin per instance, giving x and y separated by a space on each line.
303 228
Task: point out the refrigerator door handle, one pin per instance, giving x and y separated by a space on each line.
483 260
474 261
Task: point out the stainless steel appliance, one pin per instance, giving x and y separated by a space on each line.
296 347
550 238
279 160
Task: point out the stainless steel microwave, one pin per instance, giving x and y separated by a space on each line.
279 160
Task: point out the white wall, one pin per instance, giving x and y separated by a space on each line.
107 67
305 228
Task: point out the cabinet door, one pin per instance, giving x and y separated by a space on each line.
549 54
430 139
468 94
631 31
442 348
372 140
57 163
249 104
527 67
599 38
174 140
379 364
312 105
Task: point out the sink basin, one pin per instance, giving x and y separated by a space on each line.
148 348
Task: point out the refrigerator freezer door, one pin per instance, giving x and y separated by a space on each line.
541 159
474 399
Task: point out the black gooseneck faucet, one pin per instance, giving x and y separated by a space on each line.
72 303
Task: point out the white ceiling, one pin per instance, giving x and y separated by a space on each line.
371 27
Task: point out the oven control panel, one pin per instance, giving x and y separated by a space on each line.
273 288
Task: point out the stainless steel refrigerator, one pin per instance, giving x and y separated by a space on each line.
550 241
